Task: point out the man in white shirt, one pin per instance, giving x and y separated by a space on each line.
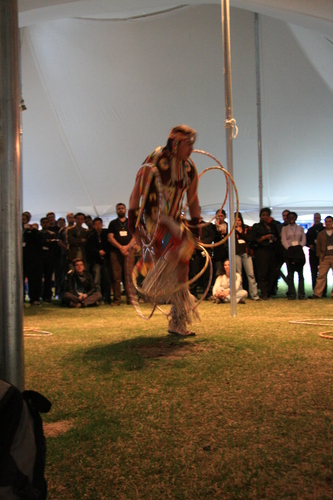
293 239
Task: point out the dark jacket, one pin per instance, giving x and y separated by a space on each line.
32 244
260 229
96 243
311 236
77 241
76 283
246 236
220 251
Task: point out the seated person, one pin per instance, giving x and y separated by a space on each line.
80 290
221 289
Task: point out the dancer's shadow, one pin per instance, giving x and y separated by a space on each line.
133 354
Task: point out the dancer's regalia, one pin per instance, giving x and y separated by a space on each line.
173 242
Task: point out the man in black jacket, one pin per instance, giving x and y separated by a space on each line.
98 253
198 259
121 241
311 242
80 288
49 259
32 258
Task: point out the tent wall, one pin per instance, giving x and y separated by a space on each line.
103 94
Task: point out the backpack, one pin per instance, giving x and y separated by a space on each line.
22 444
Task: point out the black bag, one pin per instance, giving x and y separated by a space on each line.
295 255
22 444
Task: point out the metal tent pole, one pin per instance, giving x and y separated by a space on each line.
11 282
229 124
256 38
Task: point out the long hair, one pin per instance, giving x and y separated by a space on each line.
241 218
177 134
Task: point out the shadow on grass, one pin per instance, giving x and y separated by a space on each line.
134 354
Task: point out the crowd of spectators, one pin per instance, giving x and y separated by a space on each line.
81 263
261 251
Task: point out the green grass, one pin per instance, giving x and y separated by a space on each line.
241 411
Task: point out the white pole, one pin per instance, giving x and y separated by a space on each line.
229 124
11 282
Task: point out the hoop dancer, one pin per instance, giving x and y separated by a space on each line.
160 215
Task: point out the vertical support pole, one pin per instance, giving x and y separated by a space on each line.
229 136
11 282
256 39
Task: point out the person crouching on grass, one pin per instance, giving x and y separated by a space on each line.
80 287
221 289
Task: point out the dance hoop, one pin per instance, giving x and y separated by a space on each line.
148 240
131 285
314 322
36 332
227 177
153 297
178 287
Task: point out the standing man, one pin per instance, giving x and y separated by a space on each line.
53 226
77 239
70 219
49 247
197 262
52 222
98 252
285 214
89 223
63 245
265 237
293 239
311 242
179 177
325 254
32 258
121 241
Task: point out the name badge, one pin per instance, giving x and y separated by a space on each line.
122 233
241 241
330 247
295 243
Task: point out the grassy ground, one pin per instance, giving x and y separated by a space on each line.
241 411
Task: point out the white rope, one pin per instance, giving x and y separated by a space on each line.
232 124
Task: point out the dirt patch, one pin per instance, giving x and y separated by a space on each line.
54 429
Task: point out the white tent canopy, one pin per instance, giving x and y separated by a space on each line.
104 81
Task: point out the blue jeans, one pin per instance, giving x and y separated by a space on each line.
246 260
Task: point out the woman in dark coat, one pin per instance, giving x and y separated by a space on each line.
265 238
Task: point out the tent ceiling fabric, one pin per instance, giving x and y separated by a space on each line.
102 94
316 15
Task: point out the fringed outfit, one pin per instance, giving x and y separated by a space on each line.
173 247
